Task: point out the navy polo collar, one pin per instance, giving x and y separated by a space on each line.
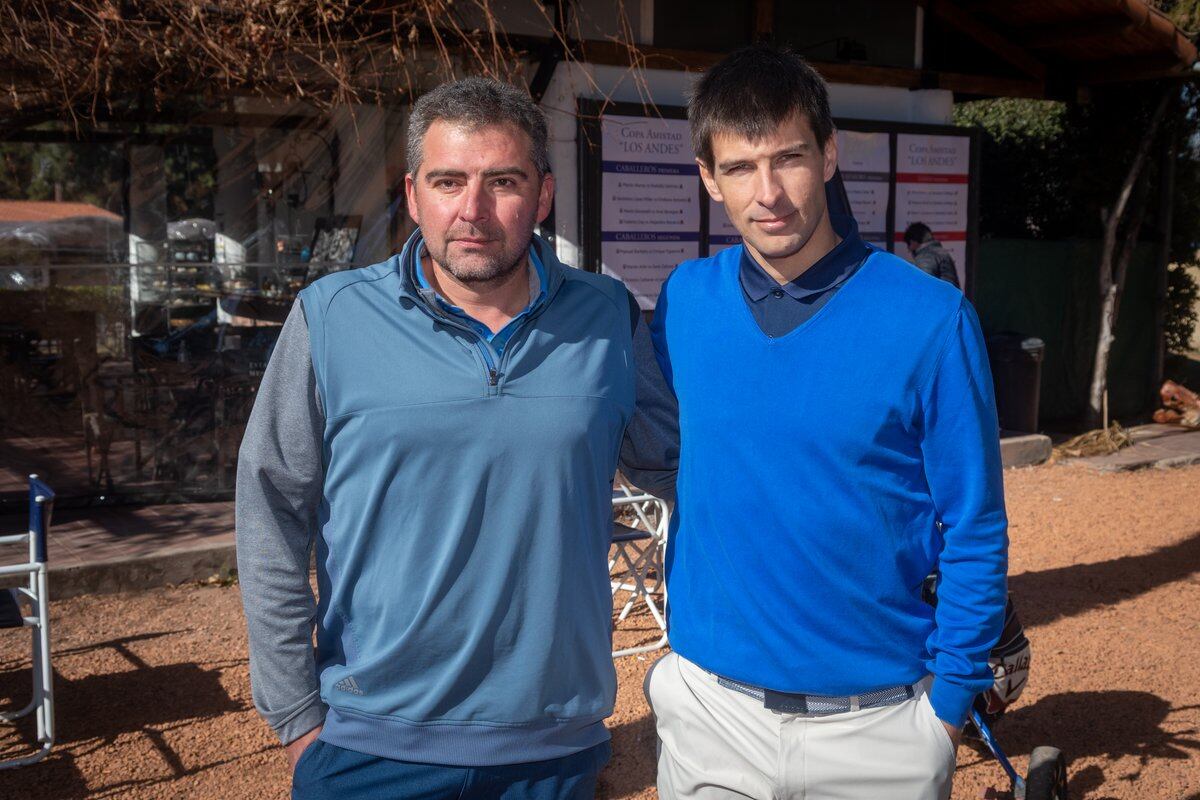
831 270
407 262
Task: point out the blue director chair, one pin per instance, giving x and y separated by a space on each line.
41 504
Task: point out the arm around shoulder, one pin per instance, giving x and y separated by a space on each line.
650 450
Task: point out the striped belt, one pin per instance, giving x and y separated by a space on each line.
818 704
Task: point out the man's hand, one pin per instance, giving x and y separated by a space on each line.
296 749
954 733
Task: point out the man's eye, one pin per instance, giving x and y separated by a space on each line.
736 168
504 183
445 183
786 157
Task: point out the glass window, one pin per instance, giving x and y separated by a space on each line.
144 278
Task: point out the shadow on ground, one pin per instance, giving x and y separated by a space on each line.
633 766
1109 725
1052 594
92 712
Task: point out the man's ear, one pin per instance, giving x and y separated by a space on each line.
545 197
710 183
410 192
831 156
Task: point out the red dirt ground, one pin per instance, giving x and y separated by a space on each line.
154 699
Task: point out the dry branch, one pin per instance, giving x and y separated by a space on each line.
86 59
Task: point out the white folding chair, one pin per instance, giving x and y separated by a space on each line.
41 505
635 563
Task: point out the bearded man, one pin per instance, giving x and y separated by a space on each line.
445 426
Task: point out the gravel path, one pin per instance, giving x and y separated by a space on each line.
154 697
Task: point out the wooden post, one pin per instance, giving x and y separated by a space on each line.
764 20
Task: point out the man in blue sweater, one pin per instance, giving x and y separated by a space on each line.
838 444
445 427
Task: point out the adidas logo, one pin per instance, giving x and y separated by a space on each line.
348 684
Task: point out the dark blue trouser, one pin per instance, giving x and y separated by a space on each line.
328 772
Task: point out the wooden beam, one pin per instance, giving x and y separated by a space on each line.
241 119
990 86
866 75
996 6
609 53
594 51
1052 37
1130 69
999 44
598 52
764 20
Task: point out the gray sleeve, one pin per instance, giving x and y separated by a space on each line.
926 262
279 485
650 450
947 271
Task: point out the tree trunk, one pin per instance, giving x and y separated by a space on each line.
1114 266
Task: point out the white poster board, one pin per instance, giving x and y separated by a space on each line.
865 161
933 187
721 233
650 201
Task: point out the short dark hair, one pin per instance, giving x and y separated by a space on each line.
751 92
918 232
477 103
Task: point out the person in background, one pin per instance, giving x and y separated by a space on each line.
929 255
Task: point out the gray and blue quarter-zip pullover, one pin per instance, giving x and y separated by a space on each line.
459 498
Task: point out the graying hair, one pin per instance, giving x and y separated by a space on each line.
477 103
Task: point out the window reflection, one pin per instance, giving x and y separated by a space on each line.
144 277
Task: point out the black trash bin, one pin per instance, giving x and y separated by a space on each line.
1016 362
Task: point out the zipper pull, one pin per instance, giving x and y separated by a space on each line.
493 377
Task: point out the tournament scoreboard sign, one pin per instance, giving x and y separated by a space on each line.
649 202
644 209
865 161
896 174
933 176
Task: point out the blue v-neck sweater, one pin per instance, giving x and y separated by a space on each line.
823 474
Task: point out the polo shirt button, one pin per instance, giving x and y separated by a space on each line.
778 292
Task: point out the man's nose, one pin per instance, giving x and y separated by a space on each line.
769 189
476 205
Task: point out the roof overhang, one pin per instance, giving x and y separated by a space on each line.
1047 48
1080 42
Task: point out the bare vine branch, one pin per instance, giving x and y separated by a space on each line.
82 59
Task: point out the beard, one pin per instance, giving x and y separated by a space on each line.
476 266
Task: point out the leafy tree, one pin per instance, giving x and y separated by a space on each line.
191 175
1028 165
1054 171
82 173
1184 13
1183 298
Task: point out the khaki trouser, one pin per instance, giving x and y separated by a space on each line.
719 743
